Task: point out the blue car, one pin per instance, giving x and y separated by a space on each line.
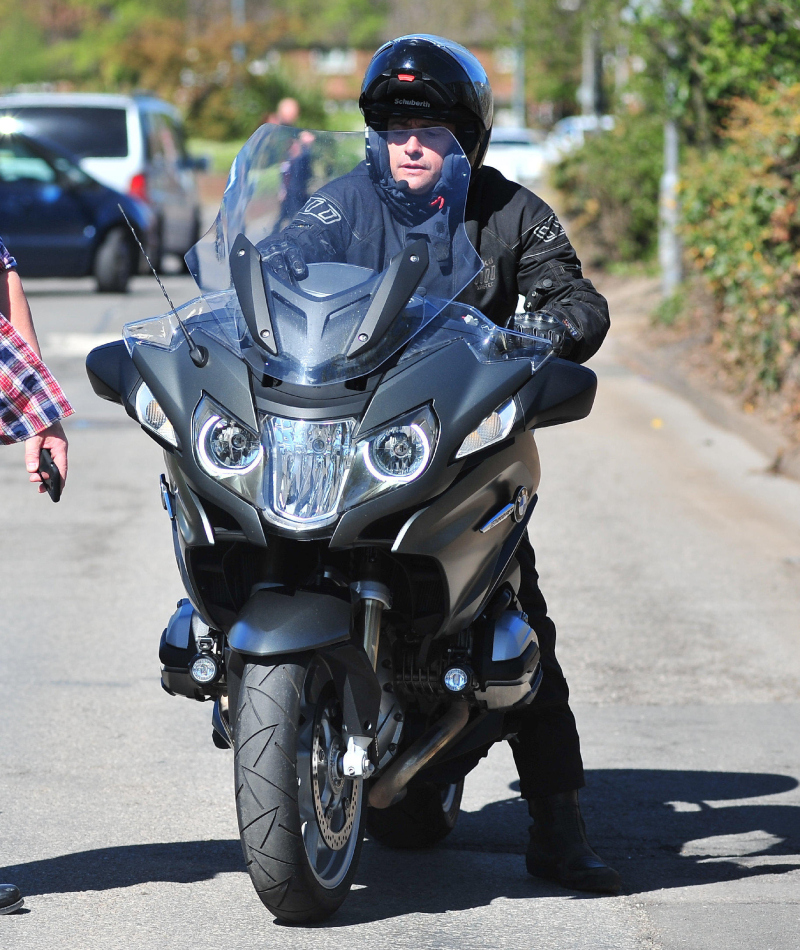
58 221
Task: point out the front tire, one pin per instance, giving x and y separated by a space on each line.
422 819
300 821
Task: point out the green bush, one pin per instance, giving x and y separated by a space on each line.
742 233
610 189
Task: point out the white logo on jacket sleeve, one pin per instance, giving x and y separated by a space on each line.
548 230
321 209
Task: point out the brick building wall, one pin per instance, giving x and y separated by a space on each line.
338 72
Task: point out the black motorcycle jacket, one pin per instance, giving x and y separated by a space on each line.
519 238
525 250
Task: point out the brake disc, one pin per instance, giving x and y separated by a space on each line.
343 795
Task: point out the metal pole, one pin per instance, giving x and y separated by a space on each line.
238 21
518 101
669 244
589 91
520 110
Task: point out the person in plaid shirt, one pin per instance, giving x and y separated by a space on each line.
31 401
31 404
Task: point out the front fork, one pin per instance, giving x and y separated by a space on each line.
375 597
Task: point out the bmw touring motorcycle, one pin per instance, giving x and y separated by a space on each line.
350 467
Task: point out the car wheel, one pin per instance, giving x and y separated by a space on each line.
195 237
156 249
114 263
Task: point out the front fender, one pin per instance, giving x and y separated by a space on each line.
275 621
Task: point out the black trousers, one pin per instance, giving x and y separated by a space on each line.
547 748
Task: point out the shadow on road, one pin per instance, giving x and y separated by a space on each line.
661 829
674 829
665 828
181 862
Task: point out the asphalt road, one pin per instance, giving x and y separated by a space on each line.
671 561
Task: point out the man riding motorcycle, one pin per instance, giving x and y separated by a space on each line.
415 88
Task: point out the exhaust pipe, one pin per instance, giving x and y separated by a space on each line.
404 768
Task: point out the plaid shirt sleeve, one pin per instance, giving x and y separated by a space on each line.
30 399
6 260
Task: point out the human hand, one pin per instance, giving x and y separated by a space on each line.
285 260
562 333
52 438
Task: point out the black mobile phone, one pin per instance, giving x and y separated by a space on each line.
48 467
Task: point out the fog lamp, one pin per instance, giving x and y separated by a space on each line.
204 669
457 679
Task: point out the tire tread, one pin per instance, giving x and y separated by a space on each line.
266 794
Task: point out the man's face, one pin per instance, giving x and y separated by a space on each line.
417 149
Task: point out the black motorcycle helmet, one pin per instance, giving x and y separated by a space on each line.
433 78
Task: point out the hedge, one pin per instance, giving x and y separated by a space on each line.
742 234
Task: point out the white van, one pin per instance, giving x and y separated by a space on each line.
134 144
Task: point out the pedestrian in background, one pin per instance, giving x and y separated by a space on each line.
31 405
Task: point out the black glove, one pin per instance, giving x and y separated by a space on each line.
285 260
561 331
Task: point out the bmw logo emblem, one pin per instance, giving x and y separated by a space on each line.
521 497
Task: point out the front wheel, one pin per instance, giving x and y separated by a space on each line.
300 820
426 815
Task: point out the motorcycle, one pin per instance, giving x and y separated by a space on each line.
350 467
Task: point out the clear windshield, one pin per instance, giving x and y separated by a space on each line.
378 224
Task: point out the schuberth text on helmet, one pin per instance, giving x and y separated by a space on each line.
433 78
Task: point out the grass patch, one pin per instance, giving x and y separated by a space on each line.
670 310
219 154
649 268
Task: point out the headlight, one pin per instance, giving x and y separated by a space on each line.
228 450
399 454
303 474
152 416
494 428
391 457
310 462
227 447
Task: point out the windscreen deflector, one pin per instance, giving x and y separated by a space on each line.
363 299
383 265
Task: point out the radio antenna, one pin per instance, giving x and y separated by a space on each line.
199 354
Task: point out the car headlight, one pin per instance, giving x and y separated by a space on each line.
393 456
152 416
228 450
494 428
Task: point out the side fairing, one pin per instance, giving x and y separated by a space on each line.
449 529
179 385
462 393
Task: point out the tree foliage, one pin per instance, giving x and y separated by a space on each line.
555 32
610 189
712 51
742 232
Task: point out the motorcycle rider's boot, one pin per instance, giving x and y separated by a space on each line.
10 899
558 849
